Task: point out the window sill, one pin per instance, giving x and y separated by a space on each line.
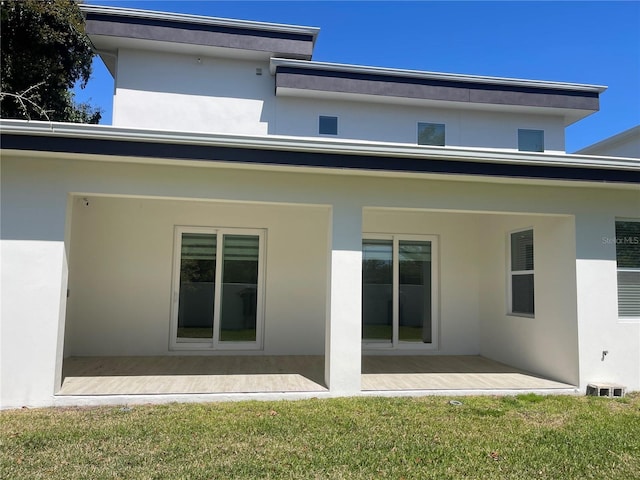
521 315
628 319
404 347
207 348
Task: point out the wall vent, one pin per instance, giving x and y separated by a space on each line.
606 390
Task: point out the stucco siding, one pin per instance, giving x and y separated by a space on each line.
600 329
399 123
458 276
120 249
208 94
33 281
121 271
192 93
547 343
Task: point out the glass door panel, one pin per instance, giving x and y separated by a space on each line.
239 296
377 291
197 286
414 264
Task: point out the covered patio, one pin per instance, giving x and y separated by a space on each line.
123 334
292 373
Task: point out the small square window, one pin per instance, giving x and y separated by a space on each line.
328 125
530 140
431 134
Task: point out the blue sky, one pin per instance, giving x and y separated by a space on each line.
582 42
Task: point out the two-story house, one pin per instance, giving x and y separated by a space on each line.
256 224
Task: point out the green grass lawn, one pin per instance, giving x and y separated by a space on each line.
522 437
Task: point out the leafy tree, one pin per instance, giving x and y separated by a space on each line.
45 52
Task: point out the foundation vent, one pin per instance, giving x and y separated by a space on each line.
606 390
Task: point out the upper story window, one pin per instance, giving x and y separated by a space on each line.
521 273
628 263
530 140
431 134
327 125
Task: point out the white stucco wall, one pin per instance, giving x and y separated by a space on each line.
344 328
387 122
191 93
169 91
33 285
548 343
630 149
458 277
624 144
600 328
114 235
121 272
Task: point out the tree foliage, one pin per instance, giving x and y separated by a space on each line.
45 52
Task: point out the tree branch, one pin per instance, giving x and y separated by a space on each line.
27 96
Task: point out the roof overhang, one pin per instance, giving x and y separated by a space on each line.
149 146
354 82
112 28
627 136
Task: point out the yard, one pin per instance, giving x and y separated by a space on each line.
527 436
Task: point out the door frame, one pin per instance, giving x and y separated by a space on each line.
396 343
215 344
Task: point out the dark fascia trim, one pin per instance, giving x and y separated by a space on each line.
191 152
317 72
436 89
153 22
287 44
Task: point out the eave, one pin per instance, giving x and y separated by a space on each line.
112 28
572 101
336 156
630 134
456 77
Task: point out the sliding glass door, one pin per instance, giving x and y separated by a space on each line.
377 291
217 288
239 295
398 291
415 298
197 286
